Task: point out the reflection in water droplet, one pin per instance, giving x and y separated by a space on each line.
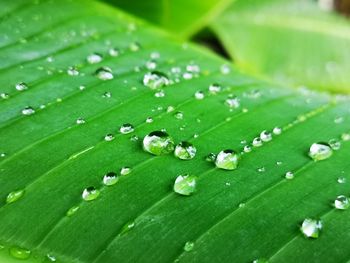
126 128
125 170
289 175
28 111
21 86
158 143
72 71
311 228
189 246
185 151
71 211
155 80
320 151
94 58
14 196
104 73
20 253
185 184
265 136
227 160
341 202
110 178
90 193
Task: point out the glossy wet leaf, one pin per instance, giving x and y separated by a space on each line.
252 212
293 42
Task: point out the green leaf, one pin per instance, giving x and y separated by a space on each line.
140 218
293 43
182 17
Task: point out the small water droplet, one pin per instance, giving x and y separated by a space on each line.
73 71
338 120
80 120
155 80
199 95
189 245
149 120
125 170
320 151
227 160
279 163
179 115
2 155
126 128
257 142
90 193
110 178
335 144
211 157
225 69
94 58
289 175
341 202
71 211
158 143
277 131
214 88
241 205
185 151
109 137
114 52
14 196
81 87
51 258
159 94
127 227
21 86
265 136
107 94
134 138
341 180
4 96
151 65
261 169
232 102
135 46
260 260
185 184
20 253
247 149
311 228
345 136
28 111
104 73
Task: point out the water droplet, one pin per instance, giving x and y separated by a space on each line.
341 202
125 170
109 137
155 80
159 94
247 149
94 58
21 86
311 228
51 258
320 151
261 169
185 184
338 120
232 102
225 69
277 131
151 65
345 136
189 245
214 88
134 138
199 95
90 193
261 260
179 115
241 205
265 136
185 151
187 75
2 155
20 253
170 109
107 94
257 142
127 227
135 46
158 143
104 73
4 96
81 87
14 196
80 120
149 120
114 52
110 178
28 111
227 160
72 71
211 157
71 211
126 128
289 175
335 144
341 180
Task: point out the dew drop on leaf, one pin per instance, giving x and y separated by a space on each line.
341 202
71 211
345 136
14 196
28 111
158 143
114 52
225 69
109 137
260 260
127 227
185 184
247 149
320 151
90 193
104 73
72 71
311 228
227 160
199 95
214 88
265 136
232 102
341 180
211 157
110 178
125 170
94 58
51 258
257 142
189 245
179 115
185 151
4 96
80 120
155 80
277 131
126 128
134 46
21 86
289 175
149 120
20 253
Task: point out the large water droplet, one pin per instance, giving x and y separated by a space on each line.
20 253
311 228
341 202
155 80
126 128
189 246
21 86
104 73
90 193
185 151
320 151
185 184
227 160
158 143
94 58
14 196
28 111
110 178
